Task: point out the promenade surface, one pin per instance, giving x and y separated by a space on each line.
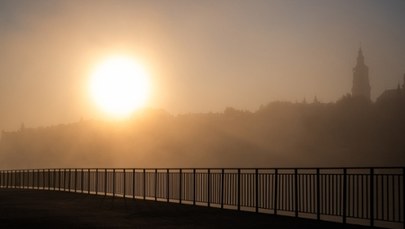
49 209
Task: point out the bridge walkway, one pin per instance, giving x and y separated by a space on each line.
48 209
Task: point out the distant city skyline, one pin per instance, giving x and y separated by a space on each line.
201 56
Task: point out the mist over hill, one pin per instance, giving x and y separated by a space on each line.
350 132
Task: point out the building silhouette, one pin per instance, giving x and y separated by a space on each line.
393 95
361 85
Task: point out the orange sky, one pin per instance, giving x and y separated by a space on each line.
202 55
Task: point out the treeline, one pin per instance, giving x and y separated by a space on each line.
350 132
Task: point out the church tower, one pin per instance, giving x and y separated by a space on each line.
361 84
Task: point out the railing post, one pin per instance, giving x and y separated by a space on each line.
20 179
96 181
37 176
49 179
59 180
125 179
296 194
403 197
372 197
194 185
54 179
12 178
168 185
88 181
113 183
180 185
275 191
318 195
133 183
75 180
222 188
25 180
82 181
9 181
69 179
64 179
105 181
144 184
43 179
239 189
209 188
257 189
344 195
156 183
20 182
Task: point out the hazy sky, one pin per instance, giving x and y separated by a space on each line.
202 55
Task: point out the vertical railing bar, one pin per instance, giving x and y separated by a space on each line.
69 180
344 195
393 196
113 184
222 188
133 183
125 186
239 186
64 180
194 187
399 197
318 195
82 181
156 184
59 180
75 179
105 182
49 179
296 191
88 181
257 190
372 197
96 182
168 185
53 178
362 191
209 188
144 184
403 197
387 193
180 186
43 179
275 191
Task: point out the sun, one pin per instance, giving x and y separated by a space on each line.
119 86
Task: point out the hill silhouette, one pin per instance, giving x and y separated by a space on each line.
349 132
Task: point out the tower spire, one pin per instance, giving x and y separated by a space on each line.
360 57
361 84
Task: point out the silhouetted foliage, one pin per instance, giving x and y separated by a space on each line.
350 132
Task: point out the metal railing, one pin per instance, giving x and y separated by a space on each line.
349 195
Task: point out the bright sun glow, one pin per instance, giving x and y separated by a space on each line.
119 86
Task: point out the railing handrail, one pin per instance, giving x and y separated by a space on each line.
374 194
